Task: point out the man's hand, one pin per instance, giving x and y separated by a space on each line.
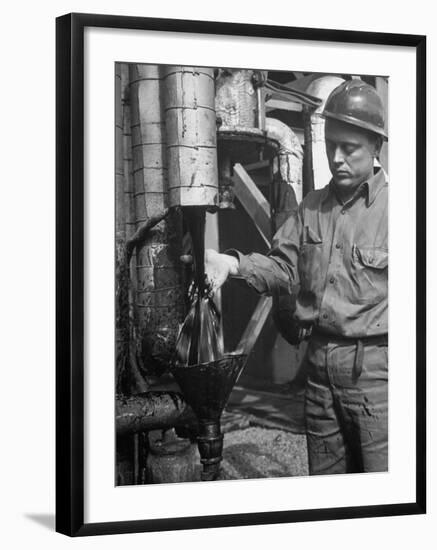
218 267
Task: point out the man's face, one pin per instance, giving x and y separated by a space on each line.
350 152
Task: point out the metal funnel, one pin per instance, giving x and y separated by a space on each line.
206 388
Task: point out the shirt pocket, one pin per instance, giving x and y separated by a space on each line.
370 275
310 260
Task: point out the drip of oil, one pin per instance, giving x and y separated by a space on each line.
201 337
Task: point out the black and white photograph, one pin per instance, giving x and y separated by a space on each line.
240 275
251 273
216 219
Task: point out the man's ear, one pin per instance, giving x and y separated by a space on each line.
378 146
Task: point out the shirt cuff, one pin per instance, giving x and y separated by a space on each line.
245 268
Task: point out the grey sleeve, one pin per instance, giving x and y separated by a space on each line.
276 272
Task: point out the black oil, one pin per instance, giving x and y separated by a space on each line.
201 337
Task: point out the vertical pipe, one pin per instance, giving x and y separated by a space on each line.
190 128
260 95
129 377
124 462
136 460
381 84
226 184
288 164
159 302
148 142
321 87
236 100
122 279
129 202
119 166
129 188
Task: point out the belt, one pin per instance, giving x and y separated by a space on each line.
360 343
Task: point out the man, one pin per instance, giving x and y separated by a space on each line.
335 246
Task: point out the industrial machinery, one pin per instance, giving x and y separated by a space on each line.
187 138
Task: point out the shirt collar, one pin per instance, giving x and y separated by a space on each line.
375 184
371 187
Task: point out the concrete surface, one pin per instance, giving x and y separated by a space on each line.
257 452
264 433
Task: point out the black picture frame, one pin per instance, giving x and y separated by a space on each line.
70 273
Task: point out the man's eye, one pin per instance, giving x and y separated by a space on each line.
349 149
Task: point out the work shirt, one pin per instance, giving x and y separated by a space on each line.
337 254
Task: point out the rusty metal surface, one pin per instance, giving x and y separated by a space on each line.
150 411
236 100
170 459
158 296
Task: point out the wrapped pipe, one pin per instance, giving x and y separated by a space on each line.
159 304
290 155
190 130
321 88
236 99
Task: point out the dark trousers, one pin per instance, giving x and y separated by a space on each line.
346 409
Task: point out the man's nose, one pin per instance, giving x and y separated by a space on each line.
338 156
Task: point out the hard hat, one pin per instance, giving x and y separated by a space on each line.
357 103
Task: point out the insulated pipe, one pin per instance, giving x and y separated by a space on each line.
121 318
236 100
148 142
308 166
159 304
191 137
290 154
119 166
152 410
129 203
321 88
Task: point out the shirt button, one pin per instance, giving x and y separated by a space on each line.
325 316
343 212
338 245
332 280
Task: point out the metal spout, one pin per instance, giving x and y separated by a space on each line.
206 388
210 443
